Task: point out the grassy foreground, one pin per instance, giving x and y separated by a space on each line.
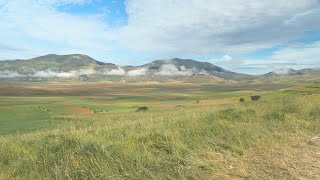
274 138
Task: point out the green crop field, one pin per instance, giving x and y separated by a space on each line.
190 131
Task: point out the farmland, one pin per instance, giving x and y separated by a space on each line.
33 106
70 130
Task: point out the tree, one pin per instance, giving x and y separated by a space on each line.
255 98
242 100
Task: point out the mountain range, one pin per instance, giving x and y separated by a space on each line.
78 66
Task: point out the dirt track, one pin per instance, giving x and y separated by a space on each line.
79 109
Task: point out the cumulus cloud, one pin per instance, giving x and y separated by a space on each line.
40 28
294 56
137 72
298 53
172 70
226 58
208 26
116 72
165 27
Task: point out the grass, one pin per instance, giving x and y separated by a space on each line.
267 139
23 119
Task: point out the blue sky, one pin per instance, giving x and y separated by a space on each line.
245 36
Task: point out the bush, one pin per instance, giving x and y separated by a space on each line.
143 108
242 100
255 98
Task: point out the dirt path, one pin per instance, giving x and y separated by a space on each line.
79 109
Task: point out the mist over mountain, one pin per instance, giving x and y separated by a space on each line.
291 72
79 66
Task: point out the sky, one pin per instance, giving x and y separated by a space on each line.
251 36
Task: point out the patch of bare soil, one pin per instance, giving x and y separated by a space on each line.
79 109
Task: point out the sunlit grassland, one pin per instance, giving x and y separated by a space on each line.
274 138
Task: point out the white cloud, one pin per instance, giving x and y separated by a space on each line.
282 71
172 70
49 74
116 72
166 27
137 72
9 74
209 26
295 56
226 58
300 54
38 28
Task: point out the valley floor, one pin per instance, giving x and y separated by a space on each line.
277 137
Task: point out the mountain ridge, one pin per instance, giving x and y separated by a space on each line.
291 72
80 65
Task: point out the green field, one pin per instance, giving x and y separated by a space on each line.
27 107
191 131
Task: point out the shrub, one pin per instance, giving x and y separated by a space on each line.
143 108
255 98
242 100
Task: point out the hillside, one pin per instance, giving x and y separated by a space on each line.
190 67
52 61
274 138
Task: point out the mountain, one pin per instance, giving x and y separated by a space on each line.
291 72
189 67
63 63
84 67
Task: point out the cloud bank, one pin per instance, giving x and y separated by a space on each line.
160 28
282 71
48 73
137 72
116 72
9 74
295 56
213 26
172 70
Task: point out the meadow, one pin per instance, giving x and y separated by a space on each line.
191 131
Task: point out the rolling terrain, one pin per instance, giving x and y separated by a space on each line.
72 117
191 131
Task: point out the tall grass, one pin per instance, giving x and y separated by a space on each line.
246 140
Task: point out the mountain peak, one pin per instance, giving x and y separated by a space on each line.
197 67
